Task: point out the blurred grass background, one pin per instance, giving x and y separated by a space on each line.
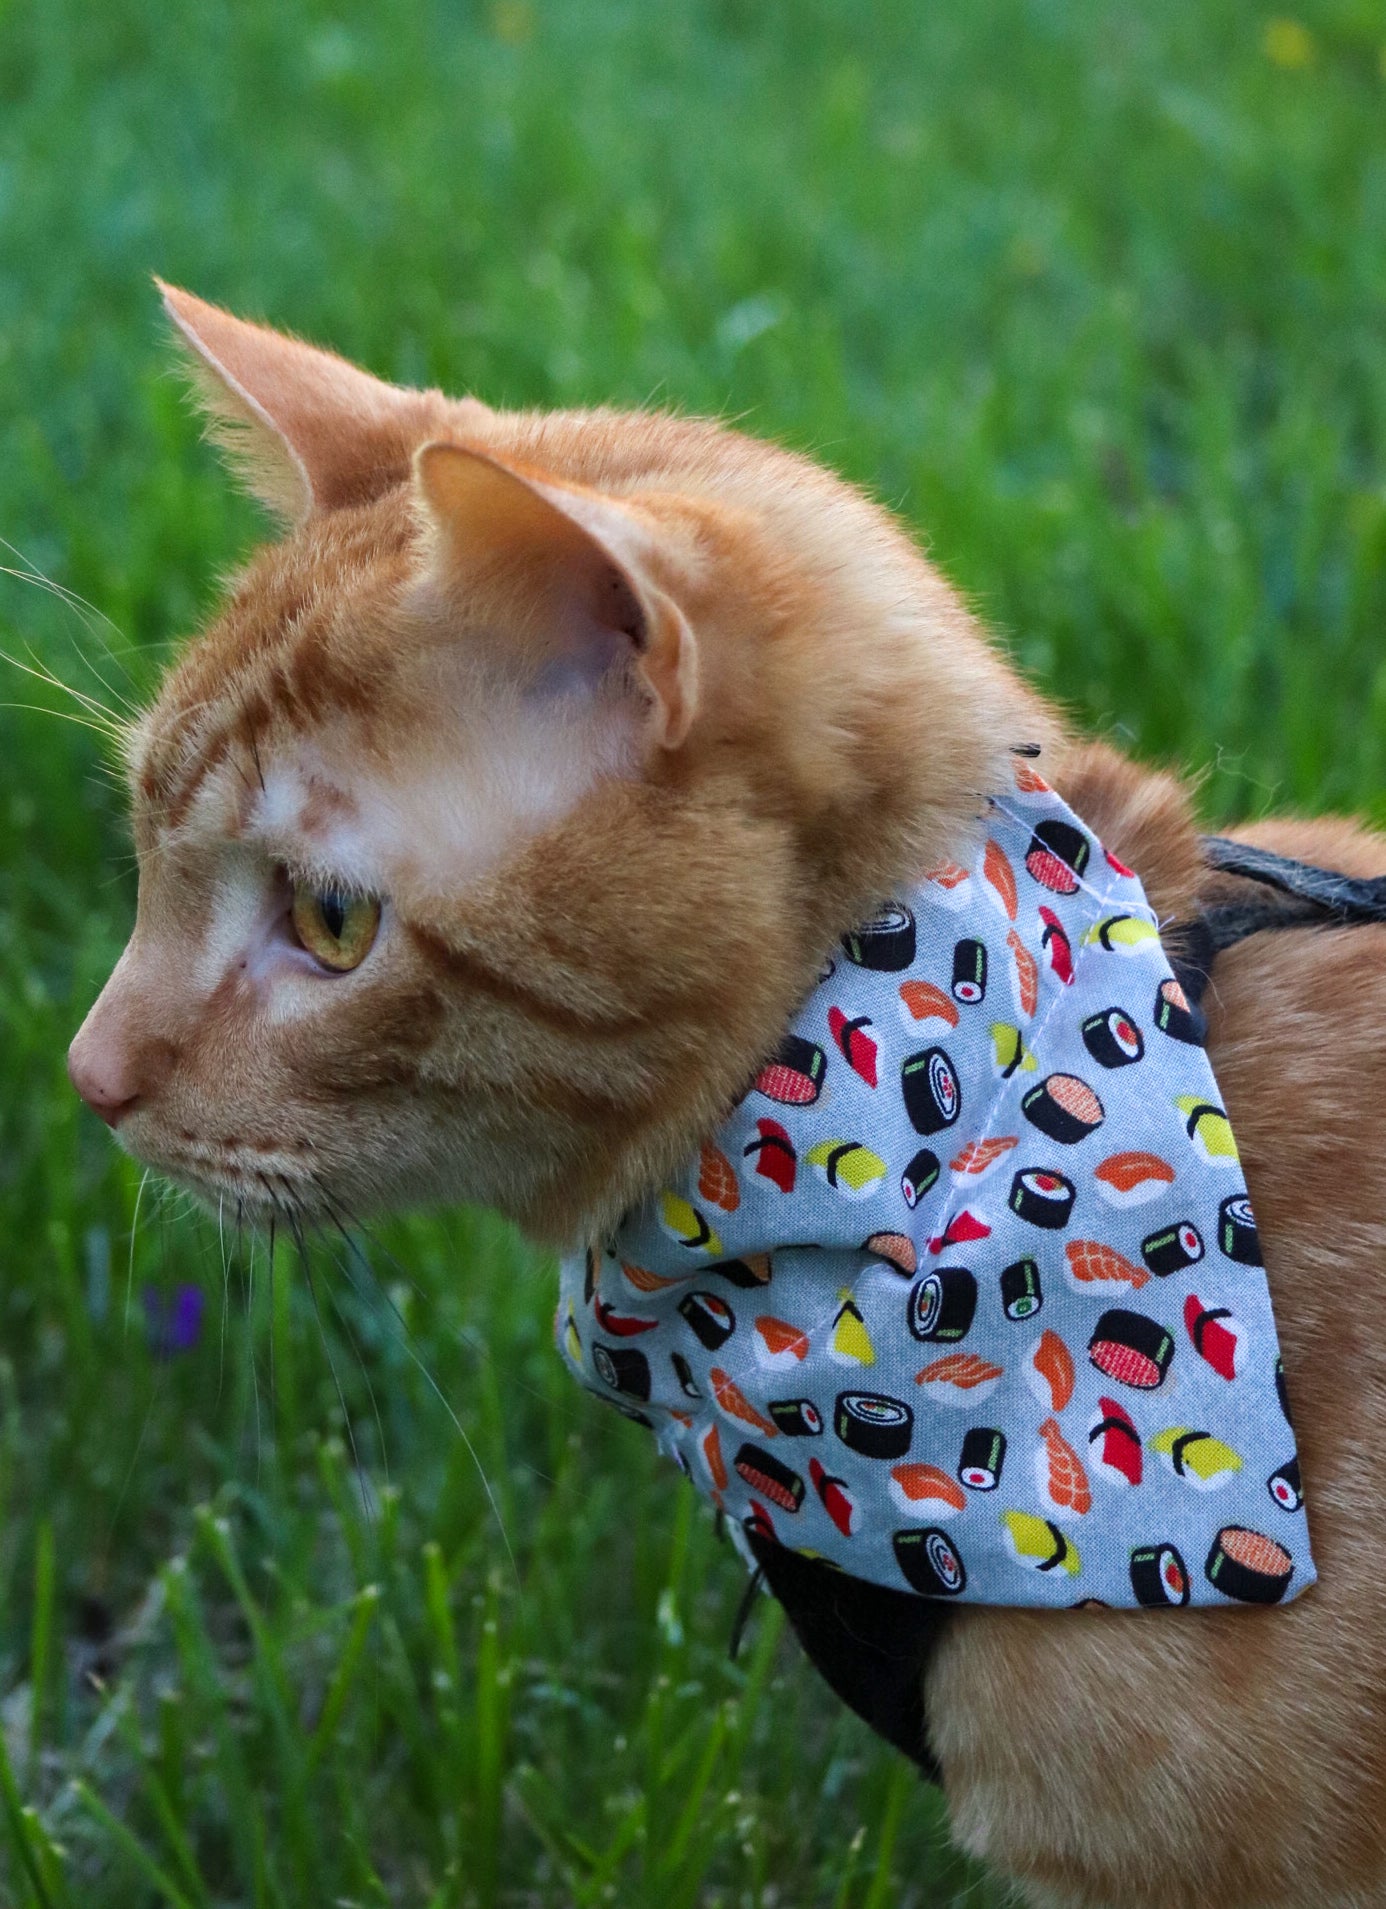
1094 295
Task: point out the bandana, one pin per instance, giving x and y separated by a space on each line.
966 1297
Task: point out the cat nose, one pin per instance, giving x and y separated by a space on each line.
113 1062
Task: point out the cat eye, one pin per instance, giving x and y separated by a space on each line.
336 929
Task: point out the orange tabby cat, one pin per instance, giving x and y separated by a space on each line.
491 834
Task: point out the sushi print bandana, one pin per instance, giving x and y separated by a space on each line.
966 1296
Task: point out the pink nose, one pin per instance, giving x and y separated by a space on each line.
101 1081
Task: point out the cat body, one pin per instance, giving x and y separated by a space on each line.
602 729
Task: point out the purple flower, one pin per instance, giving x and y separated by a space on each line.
173 1320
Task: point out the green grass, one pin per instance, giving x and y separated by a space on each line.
1094 294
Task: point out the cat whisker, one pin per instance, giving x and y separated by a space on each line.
296 1227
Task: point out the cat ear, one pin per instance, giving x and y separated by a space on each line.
306 430
563 570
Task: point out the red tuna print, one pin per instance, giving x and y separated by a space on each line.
621 1325
774 1155
1057 946
960 1229
857 1046
1216 1335
837 1500
1116 1444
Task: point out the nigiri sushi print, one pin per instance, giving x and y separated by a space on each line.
1063 1484
855 1043
1115 1443
964 1295
921 1001
774 1154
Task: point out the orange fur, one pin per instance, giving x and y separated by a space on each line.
627 718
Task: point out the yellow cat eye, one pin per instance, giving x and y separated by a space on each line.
336 929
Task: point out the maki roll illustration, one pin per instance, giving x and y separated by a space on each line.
1049 1371
835 1496
922 1001
896 1249
933 1093
751 1274
1112 1038
1209 1130
850 1343
1172 1248
684 1224
960 1378
624 1369
1058 949
1177 1016
872 1425
1132 1178
1237 1235
779 1346
794 1077
1063 1484
1284 1486
919 1176
1090 1264
1042 1197
1039 1543
1063 1107
970 972
941 1305
712 1319
765 1474
1197 1457
1217 1335
886 943
856 1046
982 1457
849 1168
1009 1054
1248 1566
1057 856
1122 934
1115 1444
797 1418
1021 1292
774 1155
999 877
1132 1349
930 1563
1159 1576
925 1491
683 1372
1024 974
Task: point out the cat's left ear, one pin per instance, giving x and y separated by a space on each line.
563 574
304 429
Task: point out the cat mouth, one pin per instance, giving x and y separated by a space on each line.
270 1183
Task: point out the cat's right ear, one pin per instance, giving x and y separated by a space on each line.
304 429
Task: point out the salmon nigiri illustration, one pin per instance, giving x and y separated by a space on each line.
735 1404
978 1158
1050 1372
1063 1484
779 1346
960 1378
1025 974
926 1491
1093 1265
1000 878
922 1001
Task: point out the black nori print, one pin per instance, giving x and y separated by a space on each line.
1132 1349
886 943
1249 1566
930 1562
1159 1576
1172 1248
797 1418
941 1304
1042 1197
624 1369
1064 1108
1057 856
970 972
1113 1039
711 1318
932 1091
1176 1015
1021 1292
982 1456
1284 1486
1237 1236
764 1473
919 1176
872 1425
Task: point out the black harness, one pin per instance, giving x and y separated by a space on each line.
872 1645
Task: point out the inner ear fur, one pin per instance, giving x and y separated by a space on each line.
305 430
565 570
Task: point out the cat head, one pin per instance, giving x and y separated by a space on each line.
489 834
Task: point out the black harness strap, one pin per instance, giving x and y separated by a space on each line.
872 1645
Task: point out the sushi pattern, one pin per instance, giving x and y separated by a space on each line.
966 1297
